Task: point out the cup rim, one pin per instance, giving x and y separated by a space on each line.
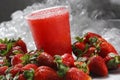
48 8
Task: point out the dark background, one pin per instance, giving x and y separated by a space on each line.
9 6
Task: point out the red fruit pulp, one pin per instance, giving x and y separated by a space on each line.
51 30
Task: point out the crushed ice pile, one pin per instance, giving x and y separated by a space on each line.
79 18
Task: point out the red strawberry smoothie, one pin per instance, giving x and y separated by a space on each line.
50 28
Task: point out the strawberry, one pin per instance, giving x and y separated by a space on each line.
3 70
89 35
78 48
16 69
97 66
45 73
102 39
45 59
17 50
112 61
106 48
80 45
29 66
76 74
82 66
16 59
21 77
89 52
2 46
66 59
22 44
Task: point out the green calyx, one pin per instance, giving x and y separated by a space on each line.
6 40
62 69
2 77
82 67
28 58
6 62
113 62
34 56
79 51
79 39
9 44
8 48
29 74
7 77
93 40
76 50
96 43
25 59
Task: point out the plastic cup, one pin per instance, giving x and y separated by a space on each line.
50 29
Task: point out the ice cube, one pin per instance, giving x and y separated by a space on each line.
18 15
